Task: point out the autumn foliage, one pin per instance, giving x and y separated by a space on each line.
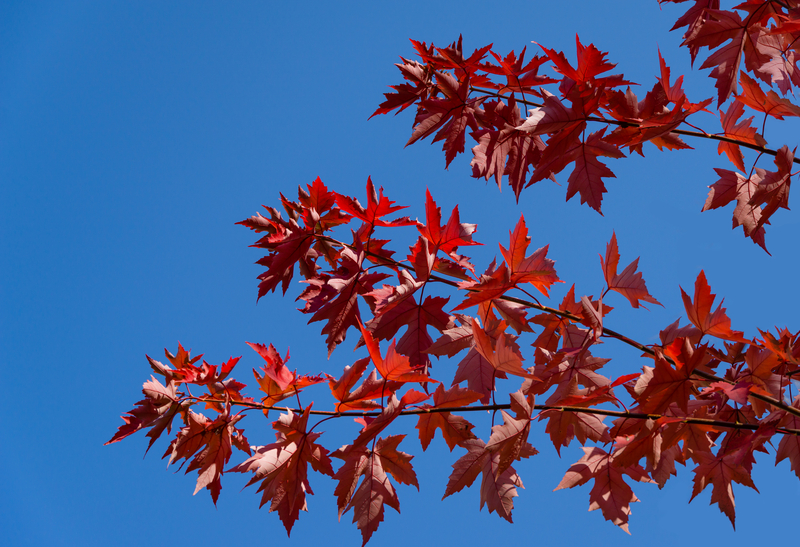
708 396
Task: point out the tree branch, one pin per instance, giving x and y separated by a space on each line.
685 132
495 407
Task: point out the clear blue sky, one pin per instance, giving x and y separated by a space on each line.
133 135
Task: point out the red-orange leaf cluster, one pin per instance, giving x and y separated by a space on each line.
708 397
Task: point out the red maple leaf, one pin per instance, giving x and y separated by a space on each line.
536 269
371 466
455 429
288 244
282 467
416 318
753 96
454 339
209 443
563 426
733 463
510 440
610 493
505 150
772 191
363 397
276 366
520 77
378 206
629 283
395 367
449 115
745 38
445 238
277 381
407 94
699 312
741 131
671 381
334 298
157 410
497 490
503 356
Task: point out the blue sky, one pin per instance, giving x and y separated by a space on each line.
134 135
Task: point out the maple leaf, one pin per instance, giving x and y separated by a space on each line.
581 84
416 317
563 426
563 366
210 444
510 439
363 397
651 119
587 176
406 94
374 426
454 339
395 367
699 312
288 243
452 56
519 76
378 206
734 186
503 356
552 117
368 499
276 366
507 150
696 437
450 116
629 283
278 382
753 96
157 410
449 237
282 467
772 191
334 298
610 493
455 429
733 463
694 18
497 490
536 269
721 26
672 379
741 131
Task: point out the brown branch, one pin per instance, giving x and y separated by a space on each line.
495 407
685 132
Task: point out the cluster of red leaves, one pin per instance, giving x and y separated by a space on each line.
709 397
483 93
712 406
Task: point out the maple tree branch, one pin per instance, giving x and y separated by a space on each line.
496 407
685 132
572 317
